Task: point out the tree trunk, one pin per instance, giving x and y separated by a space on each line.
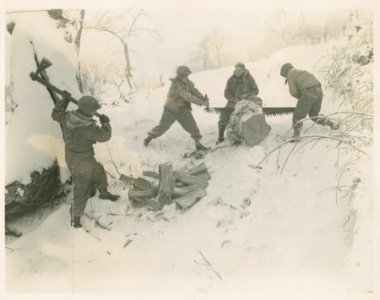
77 48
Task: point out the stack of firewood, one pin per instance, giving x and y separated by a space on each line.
155 190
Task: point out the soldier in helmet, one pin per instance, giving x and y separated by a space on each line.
307 89
240 85
177 107
80 134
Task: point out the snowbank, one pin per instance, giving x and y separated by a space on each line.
33 140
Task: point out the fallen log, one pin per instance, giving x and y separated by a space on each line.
190 198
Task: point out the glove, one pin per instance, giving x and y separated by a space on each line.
104 119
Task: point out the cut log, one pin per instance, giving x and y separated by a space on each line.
139 183
133 194
190 198
166 184
200 171
190 179
253 128
151 174
178 192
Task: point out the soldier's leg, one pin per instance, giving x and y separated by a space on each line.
317 117
167 120
99 179
186 120
82 188
301 111
224 118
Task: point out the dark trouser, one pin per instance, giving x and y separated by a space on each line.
310 104
224 118
185 119
88 175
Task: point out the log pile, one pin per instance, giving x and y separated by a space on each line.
184 187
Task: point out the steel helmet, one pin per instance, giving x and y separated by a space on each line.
183 70
88 104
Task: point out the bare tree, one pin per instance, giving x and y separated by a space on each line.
134 22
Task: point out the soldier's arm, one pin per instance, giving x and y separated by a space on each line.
195 92
58 113
293 90
253 88
228 93
99 134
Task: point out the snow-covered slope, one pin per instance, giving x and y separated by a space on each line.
256 230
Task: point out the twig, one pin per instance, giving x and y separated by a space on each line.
210 265
114 164
127 243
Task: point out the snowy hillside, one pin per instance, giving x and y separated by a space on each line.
258 229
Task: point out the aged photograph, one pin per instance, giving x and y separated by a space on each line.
163 147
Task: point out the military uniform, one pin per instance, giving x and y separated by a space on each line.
307 89
80 134
237 88
177 107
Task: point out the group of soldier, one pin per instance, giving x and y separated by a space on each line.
81 131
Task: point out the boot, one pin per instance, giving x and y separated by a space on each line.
106 195
75 222
147 141
333 125
220 140
221 136
296 135
199 146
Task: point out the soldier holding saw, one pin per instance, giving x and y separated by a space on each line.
307 89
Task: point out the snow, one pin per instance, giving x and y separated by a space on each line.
258 229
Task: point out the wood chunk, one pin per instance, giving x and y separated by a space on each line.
166 184
151 174
139 183
198 169
178 192
190 179
132 194
253 128
190 198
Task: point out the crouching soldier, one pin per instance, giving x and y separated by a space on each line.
177 107
80 134
307 89
240 85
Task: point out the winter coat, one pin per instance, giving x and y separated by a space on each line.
181 93
80 131
239 88
299 81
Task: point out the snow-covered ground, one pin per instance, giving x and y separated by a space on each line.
257 230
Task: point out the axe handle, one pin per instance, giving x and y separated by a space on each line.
64 94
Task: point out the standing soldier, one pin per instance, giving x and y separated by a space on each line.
307 89
177 107
240 85
80 133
